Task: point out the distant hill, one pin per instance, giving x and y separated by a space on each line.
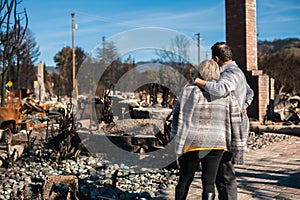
280 60
268 47
51 69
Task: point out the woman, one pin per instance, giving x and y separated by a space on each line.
203 127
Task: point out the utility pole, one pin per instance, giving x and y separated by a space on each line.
73 54
198 44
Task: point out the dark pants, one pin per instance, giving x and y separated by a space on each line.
189 163
226 179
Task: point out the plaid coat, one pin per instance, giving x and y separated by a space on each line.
202 120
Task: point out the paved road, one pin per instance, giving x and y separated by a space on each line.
269 173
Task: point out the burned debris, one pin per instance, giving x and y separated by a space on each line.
282 116
65 169
48 133
288 109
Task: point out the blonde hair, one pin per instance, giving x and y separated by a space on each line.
209 70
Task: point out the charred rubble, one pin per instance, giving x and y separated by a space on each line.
54 163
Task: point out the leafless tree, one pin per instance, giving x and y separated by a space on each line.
177 57
13 26
107 53
177 52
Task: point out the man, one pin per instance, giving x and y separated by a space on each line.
232 79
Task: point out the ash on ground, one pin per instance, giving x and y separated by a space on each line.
98 178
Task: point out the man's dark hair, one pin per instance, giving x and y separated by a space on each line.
222 51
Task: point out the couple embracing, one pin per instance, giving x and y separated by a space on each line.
210 126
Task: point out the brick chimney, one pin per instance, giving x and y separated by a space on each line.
241 36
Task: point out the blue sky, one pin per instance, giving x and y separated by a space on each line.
50 20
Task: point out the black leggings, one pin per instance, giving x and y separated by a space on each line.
189 162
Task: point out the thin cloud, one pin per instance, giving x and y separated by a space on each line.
271 8
280 5
184 19
144 18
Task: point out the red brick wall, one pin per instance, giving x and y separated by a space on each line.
263 92
241 36
236 30
241 32
251 35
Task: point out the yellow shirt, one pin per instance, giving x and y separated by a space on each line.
193 148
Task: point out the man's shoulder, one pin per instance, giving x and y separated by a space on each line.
232 67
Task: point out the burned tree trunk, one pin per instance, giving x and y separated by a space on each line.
289 130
